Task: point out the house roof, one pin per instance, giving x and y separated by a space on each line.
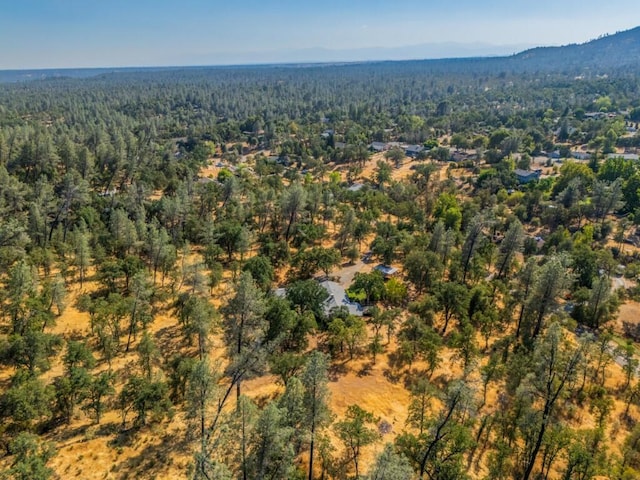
206 180
378 145
414 148
338 298
626 156
578 154
386 269
525 173
356 187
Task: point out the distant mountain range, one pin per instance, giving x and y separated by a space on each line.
616 52
326 55
608 52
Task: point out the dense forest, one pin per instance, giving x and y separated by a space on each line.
167 238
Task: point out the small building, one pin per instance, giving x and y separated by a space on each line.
378 147
458 157
328 133
413 151
527 176
578 155
625 156
338 298
285 161
595 115
108 193
206 180
387 271
356 187
570 131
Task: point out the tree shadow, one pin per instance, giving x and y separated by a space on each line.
66 433
395 361
107 429
152 459
393 376
76 335
123 437
365 371
337 370
413 376
169 340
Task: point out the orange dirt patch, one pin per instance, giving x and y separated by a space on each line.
629 313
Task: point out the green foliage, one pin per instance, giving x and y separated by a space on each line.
27 402
349 331
572 171
31 351
371 284
261 270
308 296
440 448
419 341
317 414
390 465
31 456
308 262
357 431
148 399
448 210
100 387
271 453
244 328
103 176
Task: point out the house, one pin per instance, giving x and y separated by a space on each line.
578 155
458 157
386 270
626 156
527 176
108 193
338 298
356 187
205 180
378 147
328 133
555 155
413 150
285 161
570 131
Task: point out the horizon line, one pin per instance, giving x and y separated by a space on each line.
264 64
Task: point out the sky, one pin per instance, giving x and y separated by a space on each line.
112 33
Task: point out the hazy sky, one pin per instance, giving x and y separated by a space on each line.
82 33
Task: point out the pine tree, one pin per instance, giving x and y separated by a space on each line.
317 416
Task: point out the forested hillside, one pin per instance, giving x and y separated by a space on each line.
172 242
